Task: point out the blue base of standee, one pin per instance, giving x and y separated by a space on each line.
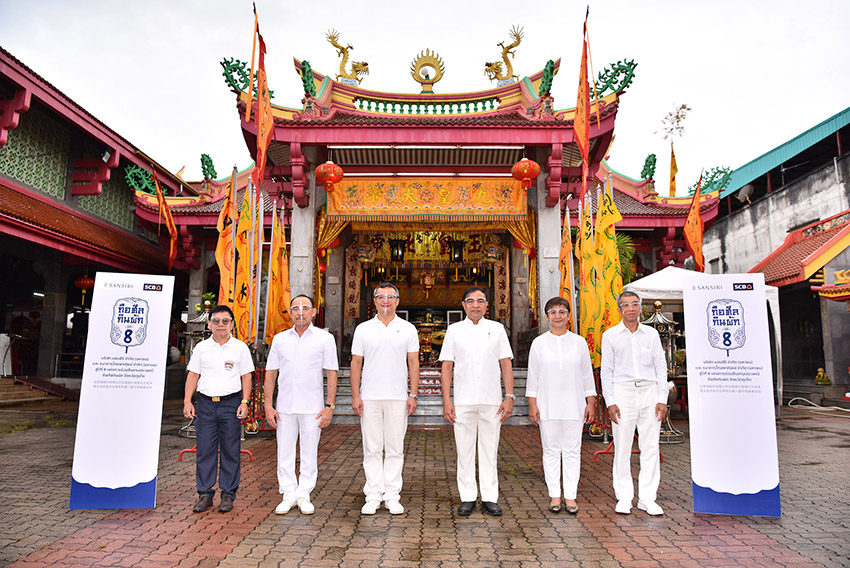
85 496
762 504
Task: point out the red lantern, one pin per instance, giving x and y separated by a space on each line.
84 283
323 267
526 170
329 174
334 243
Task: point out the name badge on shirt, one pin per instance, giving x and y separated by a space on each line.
228 365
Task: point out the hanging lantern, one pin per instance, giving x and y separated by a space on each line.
323 267
397 248
526 171
329 174
84 283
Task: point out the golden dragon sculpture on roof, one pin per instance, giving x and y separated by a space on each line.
495 71
358 68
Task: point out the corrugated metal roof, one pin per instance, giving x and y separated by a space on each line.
781 154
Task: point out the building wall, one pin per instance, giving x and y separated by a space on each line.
740 241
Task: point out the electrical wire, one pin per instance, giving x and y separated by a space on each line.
817 408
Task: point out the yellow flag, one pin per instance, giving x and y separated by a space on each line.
565 262
224 247
610 279
245 271
587 281
277 309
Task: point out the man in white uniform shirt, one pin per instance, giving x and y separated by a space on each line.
477 352
634 384
220 369
384 357
299 354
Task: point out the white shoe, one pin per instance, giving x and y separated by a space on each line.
394 507
370 508
284 507
624 507
651 507
306 507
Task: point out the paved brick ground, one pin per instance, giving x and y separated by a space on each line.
37 529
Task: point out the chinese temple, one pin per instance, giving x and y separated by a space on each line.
427 200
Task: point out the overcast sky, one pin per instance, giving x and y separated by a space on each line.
755 73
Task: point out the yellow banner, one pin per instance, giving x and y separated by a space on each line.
431 199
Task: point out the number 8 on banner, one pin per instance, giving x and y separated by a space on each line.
129 322
726 329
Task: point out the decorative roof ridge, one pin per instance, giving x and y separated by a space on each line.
436 97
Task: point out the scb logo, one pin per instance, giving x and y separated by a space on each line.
153 287
741 286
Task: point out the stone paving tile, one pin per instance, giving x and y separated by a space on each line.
39 530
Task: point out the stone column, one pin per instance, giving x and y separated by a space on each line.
548 250
52 331
335 294
303 239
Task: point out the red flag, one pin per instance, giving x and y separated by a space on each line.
262 118
165 212
693 230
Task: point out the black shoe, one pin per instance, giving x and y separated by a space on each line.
204 503
491 508
226 503
465 508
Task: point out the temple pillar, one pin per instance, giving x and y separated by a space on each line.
198 281
52 329
303 237
548 250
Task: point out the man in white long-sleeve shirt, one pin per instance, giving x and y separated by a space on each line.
634 384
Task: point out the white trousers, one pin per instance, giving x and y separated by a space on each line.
561 440
383 426
477 425
304 427
637 409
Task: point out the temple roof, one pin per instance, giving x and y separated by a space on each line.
52 224
806 250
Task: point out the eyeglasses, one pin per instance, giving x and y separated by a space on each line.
221 321
479 301
300 308
630 305
558 312
386 296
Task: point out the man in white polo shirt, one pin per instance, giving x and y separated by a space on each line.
384 358
634 384
220 368
299 354
478 353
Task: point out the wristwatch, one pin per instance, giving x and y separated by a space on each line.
413 396
511 395
331 406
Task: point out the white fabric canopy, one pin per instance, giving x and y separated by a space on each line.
666 285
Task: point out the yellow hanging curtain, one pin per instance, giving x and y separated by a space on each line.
525 232
326 231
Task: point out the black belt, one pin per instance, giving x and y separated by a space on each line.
221 398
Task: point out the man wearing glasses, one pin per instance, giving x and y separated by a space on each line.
220 369
299 354
634 384
477 352
384 357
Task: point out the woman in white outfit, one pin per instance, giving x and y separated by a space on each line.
561 398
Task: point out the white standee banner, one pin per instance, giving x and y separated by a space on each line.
116 453
734 459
